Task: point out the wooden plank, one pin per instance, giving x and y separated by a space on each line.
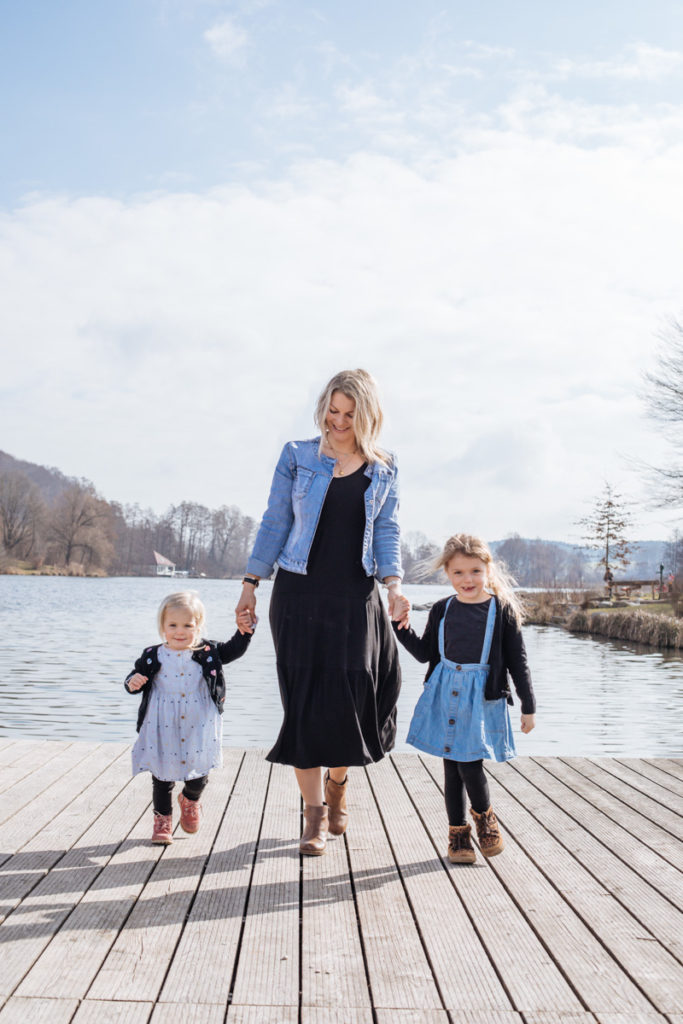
69 963
12 748
669 765
631 1018
215 921
336 1015
55 800
399 971
263 1015
38 1011
24 870
607 777
558 1017
442 1017
531 979
585 805
188 1013
32 758
137 962
652 770
667 800
332 969
637 824
461 965
268 969
98 1011
646 962
69 757
625 884
26 932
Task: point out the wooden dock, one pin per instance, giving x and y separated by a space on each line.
578 921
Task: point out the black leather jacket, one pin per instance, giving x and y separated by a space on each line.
210 655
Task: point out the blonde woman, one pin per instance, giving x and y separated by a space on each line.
331 527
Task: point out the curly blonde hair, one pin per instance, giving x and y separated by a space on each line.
187 601
361 387
499 581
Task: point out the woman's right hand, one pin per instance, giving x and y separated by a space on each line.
247 602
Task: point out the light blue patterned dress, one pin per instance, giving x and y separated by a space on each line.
452 718
181 736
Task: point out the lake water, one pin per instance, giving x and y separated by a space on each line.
70 642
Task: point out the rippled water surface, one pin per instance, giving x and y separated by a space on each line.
68 643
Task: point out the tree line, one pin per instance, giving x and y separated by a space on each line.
82 532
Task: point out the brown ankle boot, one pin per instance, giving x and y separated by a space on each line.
314 835
335 798
460 849
488 832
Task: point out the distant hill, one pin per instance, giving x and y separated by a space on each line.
50 482
646 556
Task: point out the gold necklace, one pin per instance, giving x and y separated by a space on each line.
346 455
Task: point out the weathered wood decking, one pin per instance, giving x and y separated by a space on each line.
578 921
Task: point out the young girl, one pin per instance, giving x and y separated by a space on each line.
179 722
471 641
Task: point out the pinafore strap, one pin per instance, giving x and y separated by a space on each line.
488 635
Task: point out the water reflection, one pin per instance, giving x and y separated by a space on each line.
70 642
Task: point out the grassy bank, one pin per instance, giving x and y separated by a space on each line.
29 569
652 624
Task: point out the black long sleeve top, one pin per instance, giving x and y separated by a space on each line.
508 654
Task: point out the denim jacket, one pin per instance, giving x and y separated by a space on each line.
298 491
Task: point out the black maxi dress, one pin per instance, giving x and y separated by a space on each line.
337 659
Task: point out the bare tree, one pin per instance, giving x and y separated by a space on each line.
664 399
81 525
606 528
21 512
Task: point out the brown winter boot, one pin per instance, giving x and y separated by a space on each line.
314 835
335 798
488 832
460 849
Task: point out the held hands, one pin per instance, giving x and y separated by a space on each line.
399 608
136 682
245 612
528 722
246 621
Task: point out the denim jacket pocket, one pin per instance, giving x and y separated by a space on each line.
302 482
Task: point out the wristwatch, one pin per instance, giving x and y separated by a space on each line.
250 579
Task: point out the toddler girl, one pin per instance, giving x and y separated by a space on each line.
180 728
472 641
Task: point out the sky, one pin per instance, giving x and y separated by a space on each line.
208 208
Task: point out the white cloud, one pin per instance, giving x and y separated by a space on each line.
227 40
639 62
507 299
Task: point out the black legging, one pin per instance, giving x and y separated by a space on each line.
461 776
161 792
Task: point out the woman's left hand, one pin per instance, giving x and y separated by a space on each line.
528 722
399 607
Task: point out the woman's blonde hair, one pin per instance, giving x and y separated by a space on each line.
187 601
368 417
499 580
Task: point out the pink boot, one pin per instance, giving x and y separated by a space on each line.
162 833
190 814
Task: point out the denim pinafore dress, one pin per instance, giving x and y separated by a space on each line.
452 718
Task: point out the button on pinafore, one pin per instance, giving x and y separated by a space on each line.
452 718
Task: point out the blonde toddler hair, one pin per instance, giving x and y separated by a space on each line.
186 600
368 417
500 583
